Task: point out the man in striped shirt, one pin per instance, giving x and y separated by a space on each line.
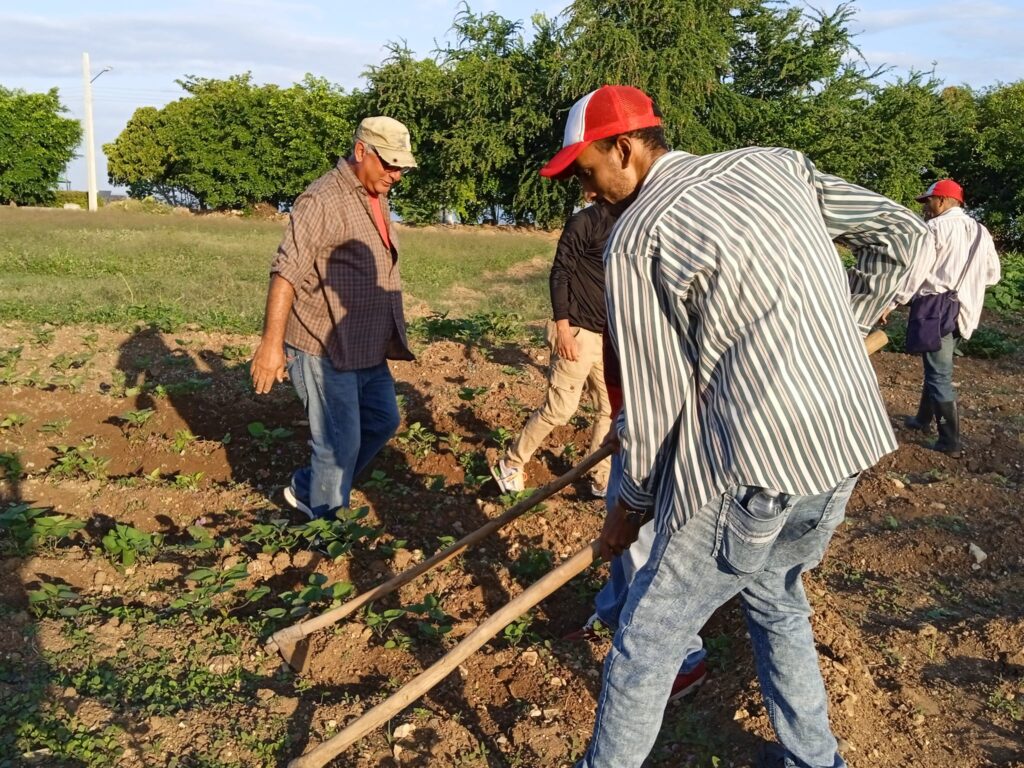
964 260
749 403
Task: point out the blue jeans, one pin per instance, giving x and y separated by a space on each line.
352 414
752 542
938 370
612 597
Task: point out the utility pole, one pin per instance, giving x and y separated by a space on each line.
90 140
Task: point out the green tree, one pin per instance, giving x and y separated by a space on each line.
985 153
233 144
36 144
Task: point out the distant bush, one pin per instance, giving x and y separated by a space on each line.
1008 295
145 205
62 196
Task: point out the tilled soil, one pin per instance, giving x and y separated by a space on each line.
918 612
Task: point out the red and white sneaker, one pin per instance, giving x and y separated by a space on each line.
592 631
687 684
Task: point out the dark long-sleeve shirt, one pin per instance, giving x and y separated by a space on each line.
577 275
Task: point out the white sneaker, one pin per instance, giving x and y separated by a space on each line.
293 501
509 479
598 491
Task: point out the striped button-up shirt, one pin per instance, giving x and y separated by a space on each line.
953 234
348 290
740 334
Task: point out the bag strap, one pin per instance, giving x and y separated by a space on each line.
970 257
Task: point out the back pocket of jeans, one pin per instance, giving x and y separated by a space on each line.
750 530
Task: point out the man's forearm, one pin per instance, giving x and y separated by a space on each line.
280 298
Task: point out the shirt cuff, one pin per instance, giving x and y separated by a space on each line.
632 496
288 273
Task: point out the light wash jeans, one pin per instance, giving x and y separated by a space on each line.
612 597
352 414
752 542
938 370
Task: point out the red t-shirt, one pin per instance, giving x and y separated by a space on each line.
378 219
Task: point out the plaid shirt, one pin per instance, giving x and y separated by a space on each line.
348 292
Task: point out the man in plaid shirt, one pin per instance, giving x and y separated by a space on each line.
334 315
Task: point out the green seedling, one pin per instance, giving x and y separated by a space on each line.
265 438
65 362
13 421
79 461
379 481
9 364
134 420
418 439
531 564
470 393
232 352
317 592
10 466
380 621
43 336
435 623
188 482
210 583
56 427
125 544
30 527
53 600
501 436
519 630
183 438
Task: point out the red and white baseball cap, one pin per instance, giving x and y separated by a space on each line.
608 111
943 188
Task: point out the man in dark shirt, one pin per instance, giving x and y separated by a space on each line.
575 337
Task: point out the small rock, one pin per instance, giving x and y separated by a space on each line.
740 714
331 725
265 694
99 578
502 740
937 505
977 553
897 483
404 731
917 719
397 750
552 713
70 693
529 658
555 682
535 712
303 558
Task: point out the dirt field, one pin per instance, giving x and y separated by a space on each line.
918 609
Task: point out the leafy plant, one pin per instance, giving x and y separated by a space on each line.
232 352
79 461
12 421
56 427
125 544
531 564
379 481
519 630
11 465
435 623
501 436
418 439
380 621
316 592
53 600
210 583
137 419
30 527
188 481
470 393
265 438
988 343
183 438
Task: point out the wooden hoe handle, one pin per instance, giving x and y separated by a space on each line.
283 641
435 674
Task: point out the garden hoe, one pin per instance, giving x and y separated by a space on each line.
292 642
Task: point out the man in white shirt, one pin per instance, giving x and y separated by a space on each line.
965 261
749 404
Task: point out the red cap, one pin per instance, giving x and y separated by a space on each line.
943 188
608 111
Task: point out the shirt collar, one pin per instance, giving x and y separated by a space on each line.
953 212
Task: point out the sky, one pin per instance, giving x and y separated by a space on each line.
147 46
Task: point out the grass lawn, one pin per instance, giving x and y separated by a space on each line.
118 267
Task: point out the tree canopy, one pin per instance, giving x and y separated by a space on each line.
36 144
486 111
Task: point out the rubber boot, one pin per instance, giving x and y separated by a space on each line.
947 421
925 411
